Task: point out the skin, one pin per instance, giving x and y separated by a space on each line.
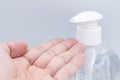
56 59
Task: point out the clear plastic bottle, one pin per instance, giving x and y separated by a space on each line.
102 63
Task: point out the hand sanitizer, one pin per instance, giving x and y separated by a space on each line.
102 63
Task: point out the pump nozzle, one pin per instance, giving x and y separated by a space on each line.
87 16
89 32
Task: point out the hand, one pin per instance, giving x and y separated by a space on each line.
57 59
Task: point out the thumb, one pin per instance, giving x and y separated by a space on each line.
14 48
10 49
17 48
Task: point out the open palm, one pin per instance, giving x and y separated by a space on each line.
57 59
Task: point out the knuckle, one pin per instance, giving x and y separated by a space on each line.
74 65
51 52
64 45
39 48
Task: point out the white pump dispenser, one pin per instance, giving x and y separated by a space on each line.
88 32
101 63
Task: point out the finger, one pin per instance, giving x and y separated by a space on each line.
64 58
10 50
14 48
67 71
43 60
38 50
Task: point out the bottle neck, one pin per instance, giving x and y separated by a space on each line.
94 49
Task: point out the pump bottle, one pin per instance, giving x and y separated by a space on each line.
102 63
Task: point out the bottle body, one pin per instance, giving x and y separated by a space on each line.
101 64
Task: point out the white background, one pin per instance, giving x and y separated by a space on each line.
36 21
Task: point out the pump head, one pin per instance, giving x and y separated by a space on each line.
89 32
87 16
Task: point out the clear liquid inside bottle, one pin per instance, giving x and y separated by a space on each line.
102 63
